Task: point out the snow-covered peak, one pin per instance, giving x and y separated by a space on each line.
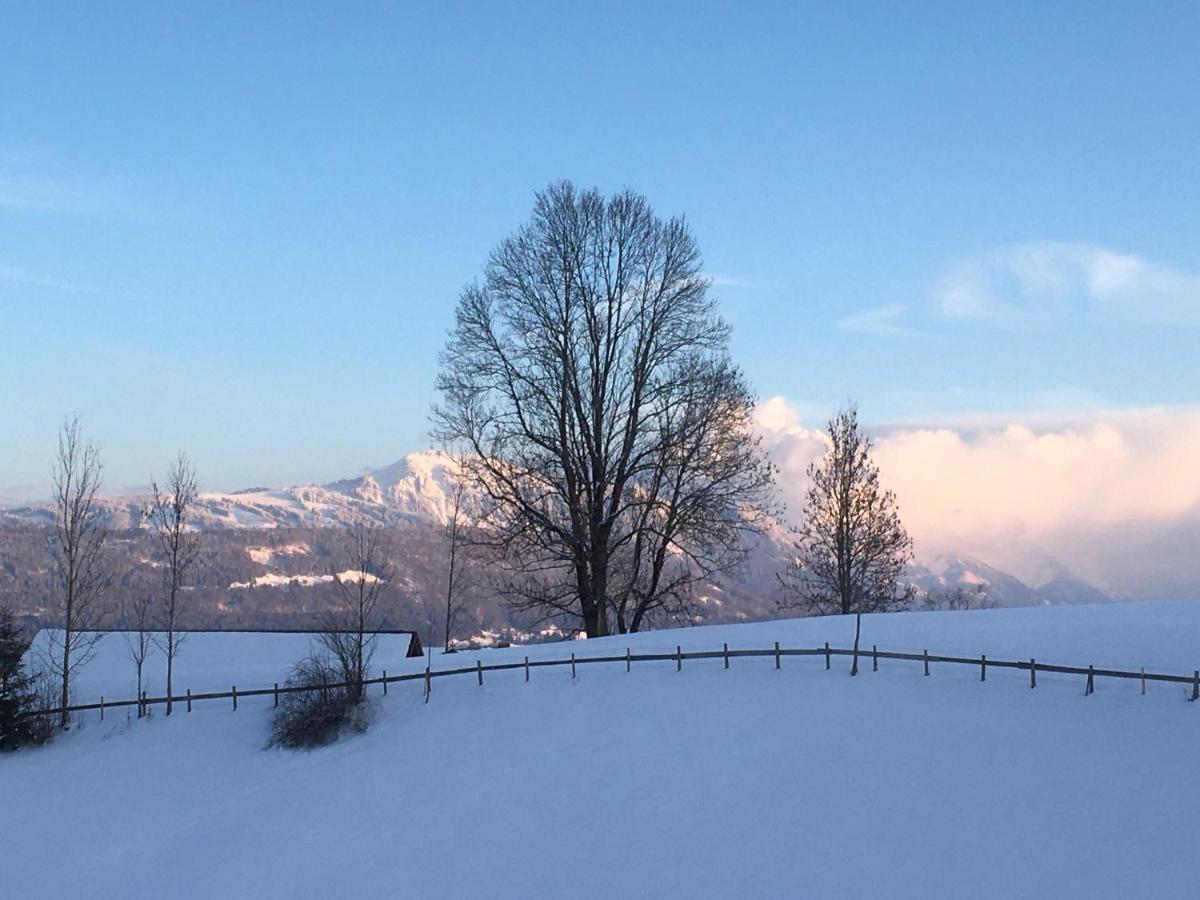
417 487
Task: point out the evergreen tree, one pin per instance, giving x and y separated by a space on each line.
17 696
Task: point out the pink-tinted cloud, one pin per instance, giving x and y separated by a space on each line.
1115 496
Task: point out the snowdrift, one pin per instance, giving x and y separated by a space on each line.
704 782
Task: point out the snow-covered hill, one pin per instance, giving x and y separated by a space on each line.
700 783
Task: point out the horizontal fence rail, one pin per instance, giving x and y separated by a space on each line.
778 652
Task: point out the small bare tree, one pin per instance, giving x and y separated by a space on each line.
852 549
76 558
349 633
139 635
959 598
457 548
170 514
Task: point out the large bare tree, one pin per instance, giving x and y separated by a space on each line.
171 509
589 377
77 566
349 632
852 548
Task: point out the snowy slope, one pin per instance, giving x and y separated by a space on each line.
711 783
207 661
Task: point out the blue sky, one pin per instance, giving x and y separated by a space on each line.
241 230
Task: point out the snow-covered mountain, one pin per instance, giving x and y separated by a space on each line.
416 490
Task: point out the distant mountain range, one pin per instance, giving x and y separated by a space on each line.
944 572
272 540
415 489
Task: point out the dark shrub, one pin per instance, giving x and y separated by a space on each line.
314 717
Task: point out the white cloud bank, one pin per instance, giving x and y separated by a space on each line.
1045 278
1115 496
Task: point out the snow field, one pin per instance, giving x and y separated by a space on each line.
703 782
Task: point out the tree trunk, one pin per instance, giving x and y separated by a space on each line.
65 720
857 632
170 666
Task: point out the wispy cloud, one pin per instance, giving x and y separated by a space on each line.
882 321
728 280
18 275
1050 278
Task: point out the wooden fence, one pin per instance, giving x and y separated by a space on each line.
778 653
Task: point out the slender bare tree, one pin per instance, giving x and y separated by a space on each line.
349 633
457 547
139 635
170 513
589 377
852 549
76 558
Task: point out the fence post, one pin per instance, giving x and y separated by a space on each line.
101 709
1091 686
777 654
527 668
385 682
277 695
1196 685
827 656
1032 673
572 666
874 658
983 668
479 670
628 659
727 656
1143 681
428 683
926 660
145 708
235 698
678 658
189 696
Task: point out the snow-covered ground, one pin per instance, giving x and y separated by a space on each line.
747 782
206 661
